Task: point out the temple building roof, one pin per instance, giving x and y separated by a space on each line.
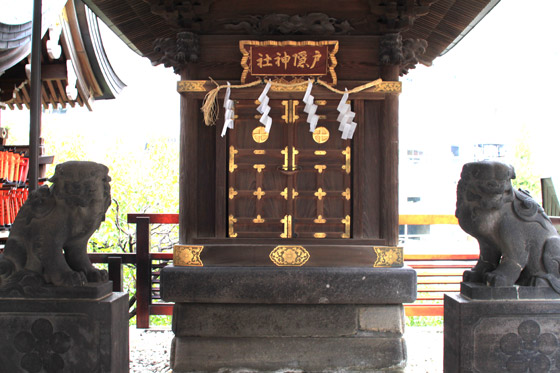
441 23
75 69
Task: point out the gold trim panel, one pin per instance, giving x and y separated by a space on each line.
187 256
289 256
191 86
388 256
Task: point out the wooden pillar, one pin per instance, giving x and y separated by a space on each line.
188 166
389 133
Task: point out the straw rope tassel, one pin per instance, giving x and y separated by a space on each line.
211 110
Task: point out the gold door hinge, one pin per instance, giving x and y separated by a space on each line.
232 153
231 231
284 152
346 222
347 154
287 221
232 193
346 194
294 153
290 115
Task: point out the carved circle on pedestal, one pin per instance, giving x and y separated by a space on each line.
529 349
42 347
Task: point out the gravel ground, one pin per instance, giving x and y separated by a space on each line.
149 350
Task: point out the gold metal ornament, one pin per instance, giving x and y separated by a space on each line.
289 256
187 256
260 135
388 256
321 135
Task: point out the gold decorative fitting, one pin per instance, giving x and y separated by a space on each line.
232 193
319 235
319 220
289 256
346 194
232 153
388 87
284 152
259 193
191 86
320 152
294 153
258 220
346 222
187 255
284 193
347 153
320 168
231 231
294 193
259 152
320 102
388 256
260 135
259 167
320 194
321 135
293 85
287 221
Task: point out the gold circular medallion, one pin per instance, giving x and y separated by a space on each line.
321 135
260 135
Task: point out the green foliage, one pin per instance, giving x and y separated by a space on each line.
145 175
527 176
424 321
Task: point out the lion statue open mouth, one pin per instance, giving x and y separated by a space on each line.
50 233
518 243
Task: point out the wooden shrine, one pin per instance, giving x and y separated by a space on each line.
288 255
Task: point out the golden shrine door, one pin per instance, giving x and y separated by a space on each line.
290 183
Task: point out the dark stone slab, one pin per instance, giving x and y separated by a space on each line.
91 290
482 292
257 320
288 354
312 285
501 336
75 335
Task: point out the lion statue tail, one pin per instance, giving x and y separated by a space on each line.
551 263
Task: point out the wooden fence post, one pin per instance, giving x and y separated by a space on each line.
116 272
143 272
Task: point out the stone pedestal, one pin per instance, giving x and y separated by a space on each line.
501 330
64 334
297 319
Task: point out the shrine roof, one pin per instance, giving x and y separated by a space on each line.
75 69
442 23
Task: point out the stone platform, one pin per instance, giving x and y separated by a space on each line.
499 331
89 334
269 319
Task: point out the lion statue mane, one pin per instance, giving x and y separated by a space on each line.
518 243
49 236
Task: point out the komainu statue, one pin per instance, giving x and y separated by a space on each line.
518 243
49 237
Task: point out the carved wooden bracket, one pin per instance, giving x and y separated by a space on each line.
182 14
393 50
398 15
176 52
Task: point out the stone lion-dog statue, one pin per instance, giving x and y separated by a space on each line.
50 233
518 243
